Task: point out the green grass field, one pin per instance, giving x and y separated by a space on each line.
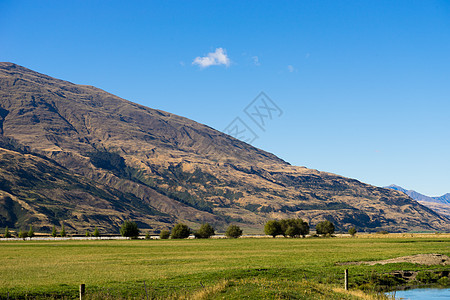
202 269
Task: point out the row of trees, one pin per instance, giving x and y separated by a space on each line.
30 233
298 227
285 227
180 231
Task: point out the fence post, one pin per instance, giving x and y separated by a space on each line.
346 279
82 291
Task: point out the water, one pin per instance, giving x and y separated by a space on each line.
422 294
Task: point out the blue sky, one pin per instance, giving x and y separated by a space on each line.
364 86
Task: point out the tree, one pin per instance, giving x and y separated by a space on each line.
147 236
129 229
63 231
54 232
294 227
205 232
7 233
180 231
164 234
233 231
31 232
87 234
96 232
302 227
352 231
272 228
325 227
23 234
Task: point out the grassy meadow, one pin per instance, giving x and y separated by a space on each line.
205 269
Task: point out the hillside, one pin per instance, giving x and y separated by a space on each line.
160 168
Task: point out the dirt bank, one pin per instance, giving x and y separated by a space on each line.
422 259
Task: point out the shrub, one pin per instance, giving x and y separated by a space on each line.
96 232
427 277
164 235
352 231
180 231
147 236
87 234
7 233
54 232
129 229
444 281
205 232
325 227
272 228
233 231
31 232
63 231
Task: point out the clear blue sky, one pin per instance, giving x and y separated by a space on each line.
364 85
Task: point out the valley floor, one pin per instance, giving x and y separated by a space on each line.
256 268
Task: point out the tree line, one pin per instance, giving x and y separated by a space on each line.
285 227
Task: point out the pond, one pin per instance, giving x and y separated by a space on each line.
419 294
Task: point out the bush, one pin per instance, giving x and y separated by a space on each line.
427 277
87 234
444 281
180 231
129 229
164 235
7 233
147 236
31 232
233 231
96 232
205 232
325 227
272 228
352 231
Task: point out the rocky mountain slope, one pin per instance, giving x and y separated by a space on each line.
439 204
110 159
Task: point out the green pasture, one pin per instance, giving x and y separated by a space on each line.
201 269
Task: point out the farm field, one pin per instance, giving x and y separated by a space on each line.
206 269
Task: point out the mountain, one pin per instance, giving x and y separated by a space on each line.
439 204
78 155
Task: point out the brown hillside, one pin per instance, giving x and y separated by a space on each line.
175 169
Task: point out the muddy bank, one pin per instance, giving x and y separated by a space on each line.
421 259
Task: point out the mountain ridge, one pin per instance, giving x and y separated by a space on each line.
444 199
440 204
178 169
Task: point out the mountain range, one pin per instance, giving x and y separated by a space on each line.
79 156
439 204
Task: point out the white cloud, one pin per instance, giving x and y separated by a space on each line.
256 60
219 57
291 68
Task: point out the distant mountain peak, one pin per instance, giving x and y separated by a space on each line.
445 199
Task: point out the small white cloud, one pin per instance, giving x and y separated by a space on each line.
291 68
307 55
182 63
256 60
219 57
